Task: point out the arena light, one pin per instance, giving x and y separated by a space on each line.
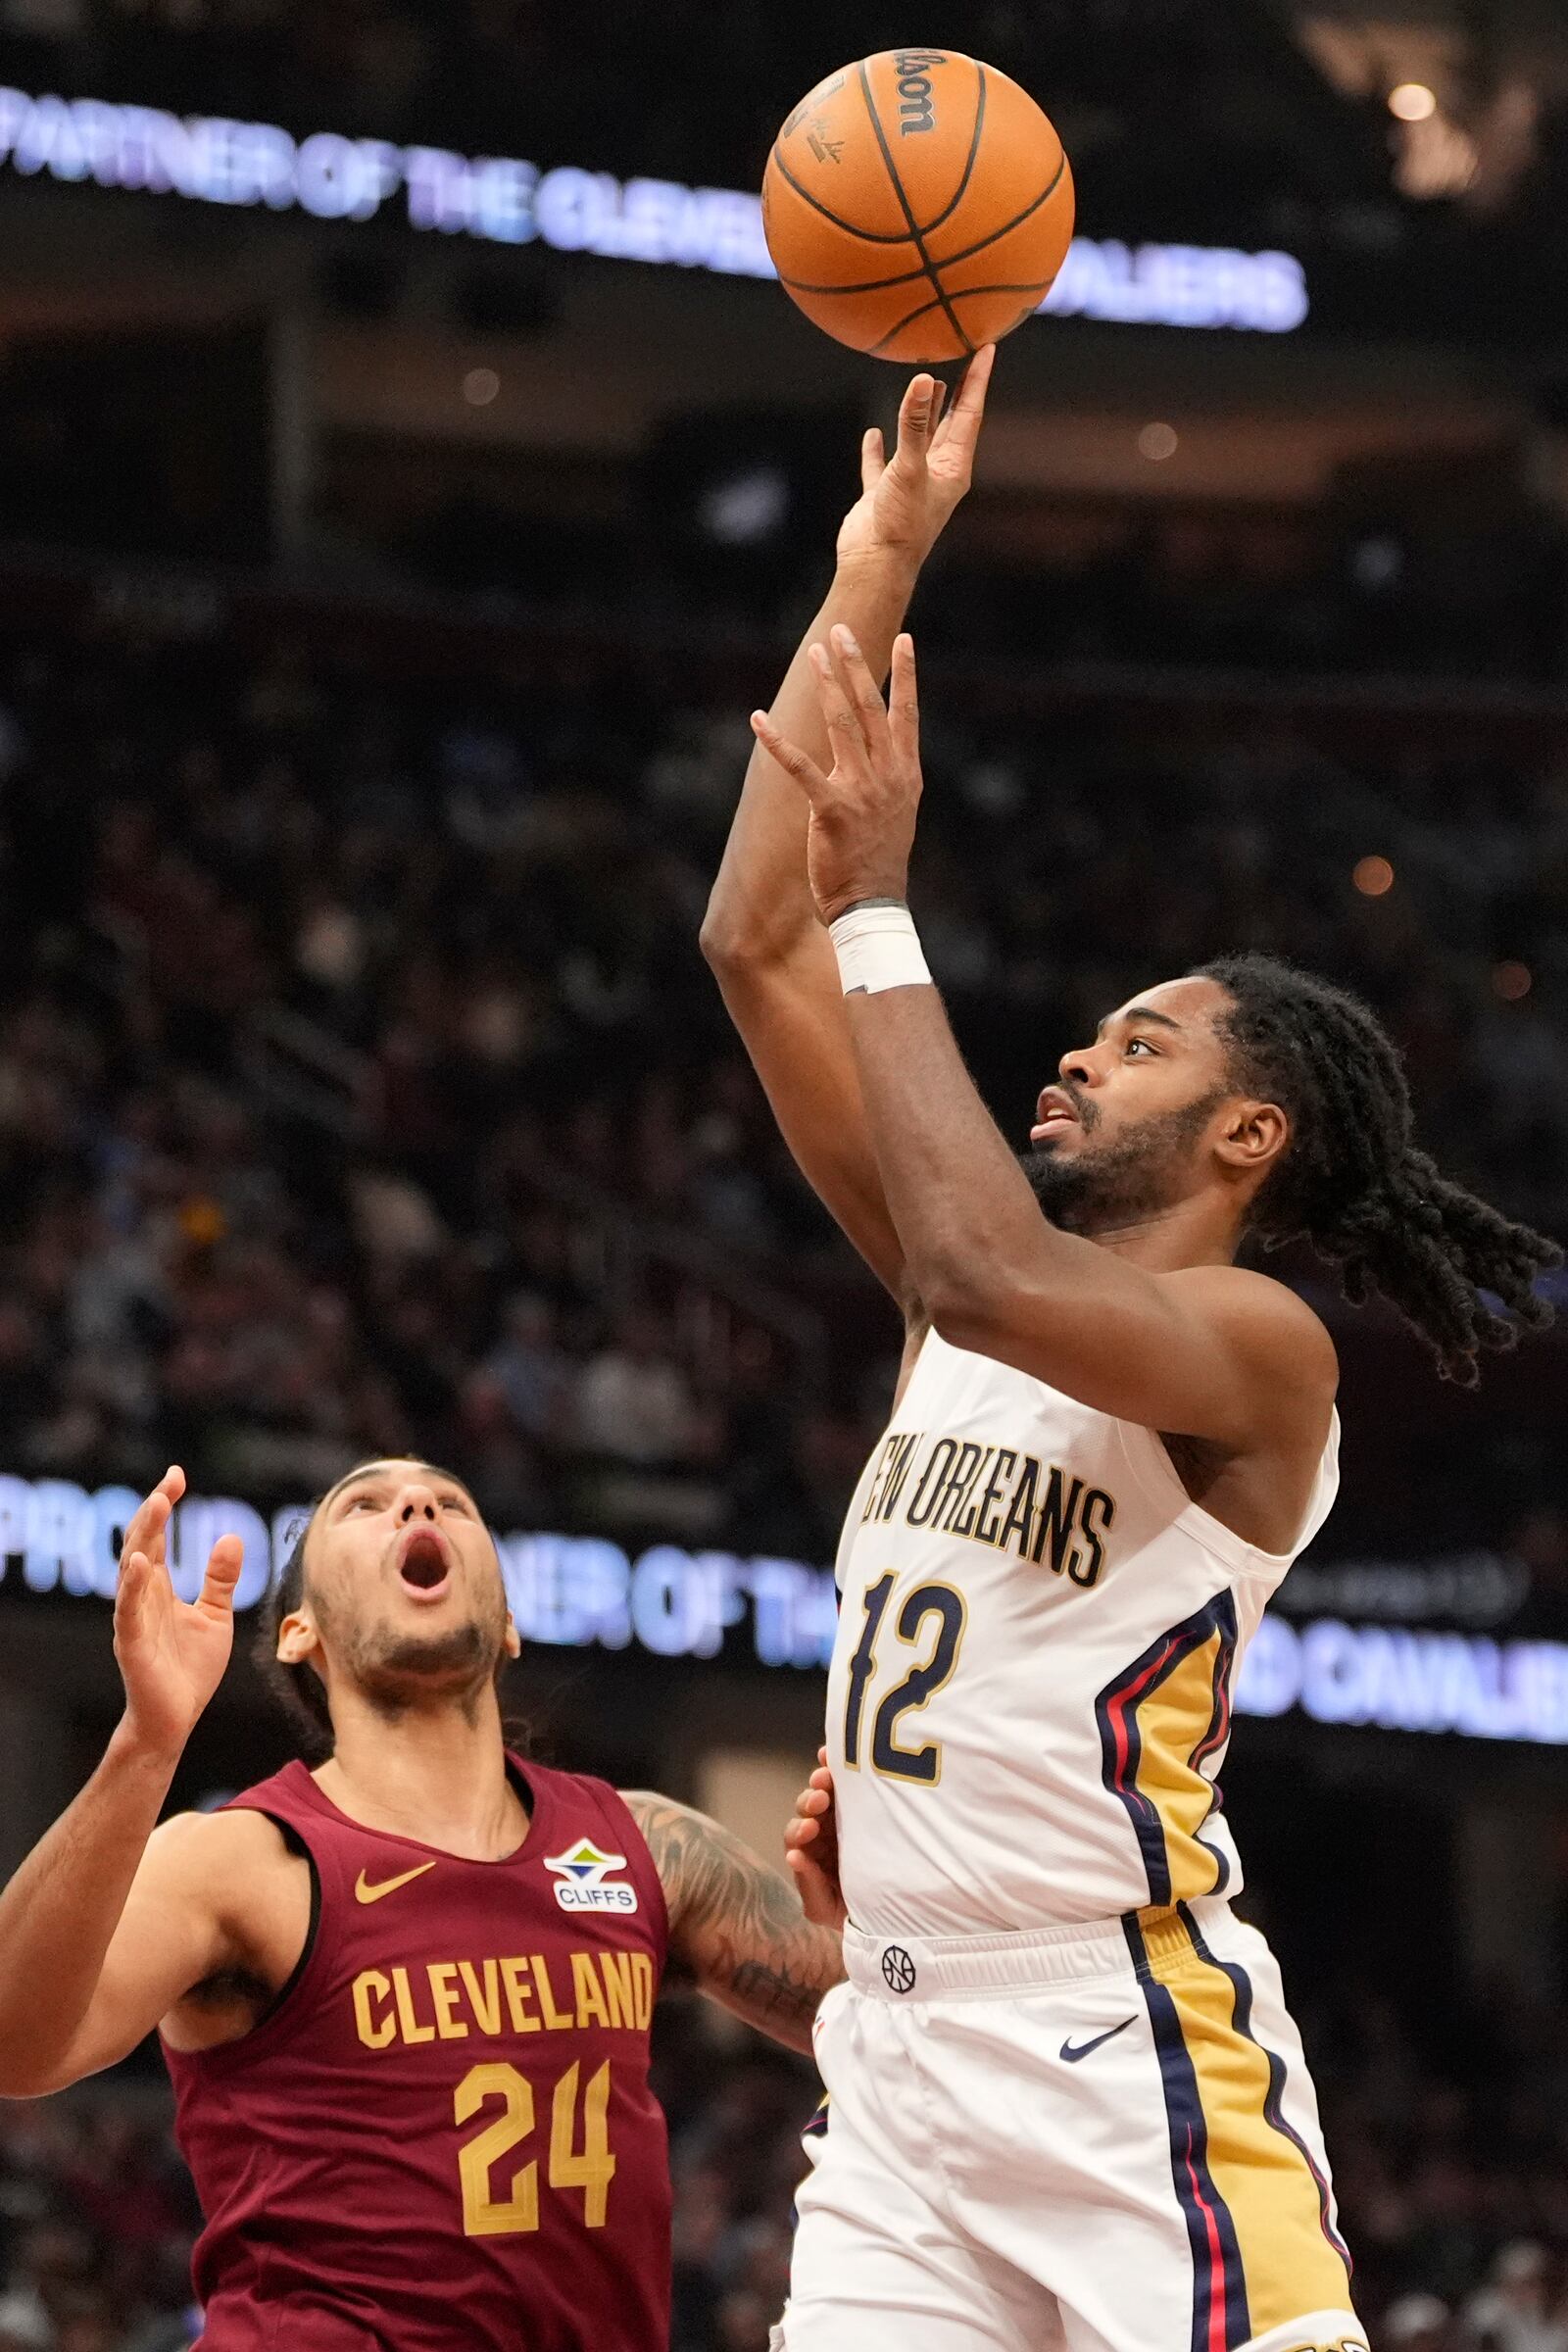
1412 102
1373 877
588 1592
503 200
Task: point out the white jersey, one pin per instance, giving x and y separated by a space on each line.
1029 1700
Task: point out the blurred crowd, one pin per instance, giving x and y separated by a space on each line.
1452 2184
362 1085
1459 572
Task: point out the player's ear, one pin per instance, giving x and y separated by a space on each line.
511 1640
1254 1136
297 1638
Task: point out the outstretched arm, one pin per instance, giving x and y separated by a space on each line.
1209 1352
106 1925
737 1924
761 936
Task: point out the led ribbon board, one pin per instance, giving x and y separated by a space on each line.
588 1592
213 159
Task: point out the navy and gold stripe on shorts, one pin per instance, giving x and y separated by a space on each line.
1257 2210
1273 2106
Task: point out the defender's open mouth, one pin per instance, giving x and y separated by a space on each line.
423 1565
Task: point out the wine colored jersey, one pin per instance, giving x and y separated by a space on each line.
442 2136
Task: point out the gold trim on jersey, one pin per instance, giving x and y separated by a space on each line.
1160 1719
1175 1721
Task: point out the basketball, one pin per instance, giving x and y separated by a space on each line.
917 205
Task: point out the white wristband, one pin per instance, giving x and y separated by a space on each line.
878 947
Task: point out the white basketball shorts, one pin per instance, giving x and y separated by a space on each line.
1104 2140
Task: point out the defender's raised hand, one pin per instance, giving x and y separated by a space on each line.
863 810
905 502
172 1652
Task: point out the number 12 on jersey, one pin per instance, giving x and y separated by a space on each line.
921 1682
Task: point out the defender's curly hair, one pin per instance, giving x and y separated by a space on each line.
1352 1180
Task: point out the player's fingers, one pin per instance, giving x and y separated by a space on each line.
822 1755
916 422
223 1574
812 1804
822 1781
145 1527
819 1896
961 428
165 1495
795 763
844 731
800 1833
969 410
135 1595
904 700
873 458
130 1585
861 688
152 1515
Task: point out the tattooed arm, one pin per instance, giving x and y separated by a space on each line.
736 1924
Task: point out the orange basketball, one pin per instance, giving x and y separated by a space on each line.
917 205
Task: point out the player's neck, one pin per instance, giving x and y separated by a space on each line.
430 1773
1168 1241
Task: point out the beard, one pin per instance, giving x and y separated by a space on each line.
396 1672
1105 1189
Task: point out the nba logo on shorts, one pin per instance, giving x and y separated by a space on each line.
581 1884
897 1969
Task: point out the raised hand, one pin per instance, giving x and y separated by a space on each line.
811 1849
905 503
862 813
172 1652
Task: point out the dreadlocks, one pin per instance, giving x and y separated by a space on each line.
1353 1181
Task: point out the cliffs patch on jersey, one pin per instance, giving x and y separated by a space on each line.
995 1495
582 1881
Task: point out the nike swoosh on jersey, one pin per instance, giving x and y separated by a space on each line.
364 1893
1083 2049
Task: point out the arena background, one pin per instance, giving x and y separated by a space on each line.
409 480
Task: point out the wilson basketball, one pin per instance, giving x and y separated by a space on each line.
918 205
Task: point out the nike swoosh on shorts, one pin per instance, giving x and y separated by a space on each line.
1083 2049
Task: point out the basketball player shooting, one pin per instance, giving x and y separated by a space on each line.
405 1998
1066 2101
